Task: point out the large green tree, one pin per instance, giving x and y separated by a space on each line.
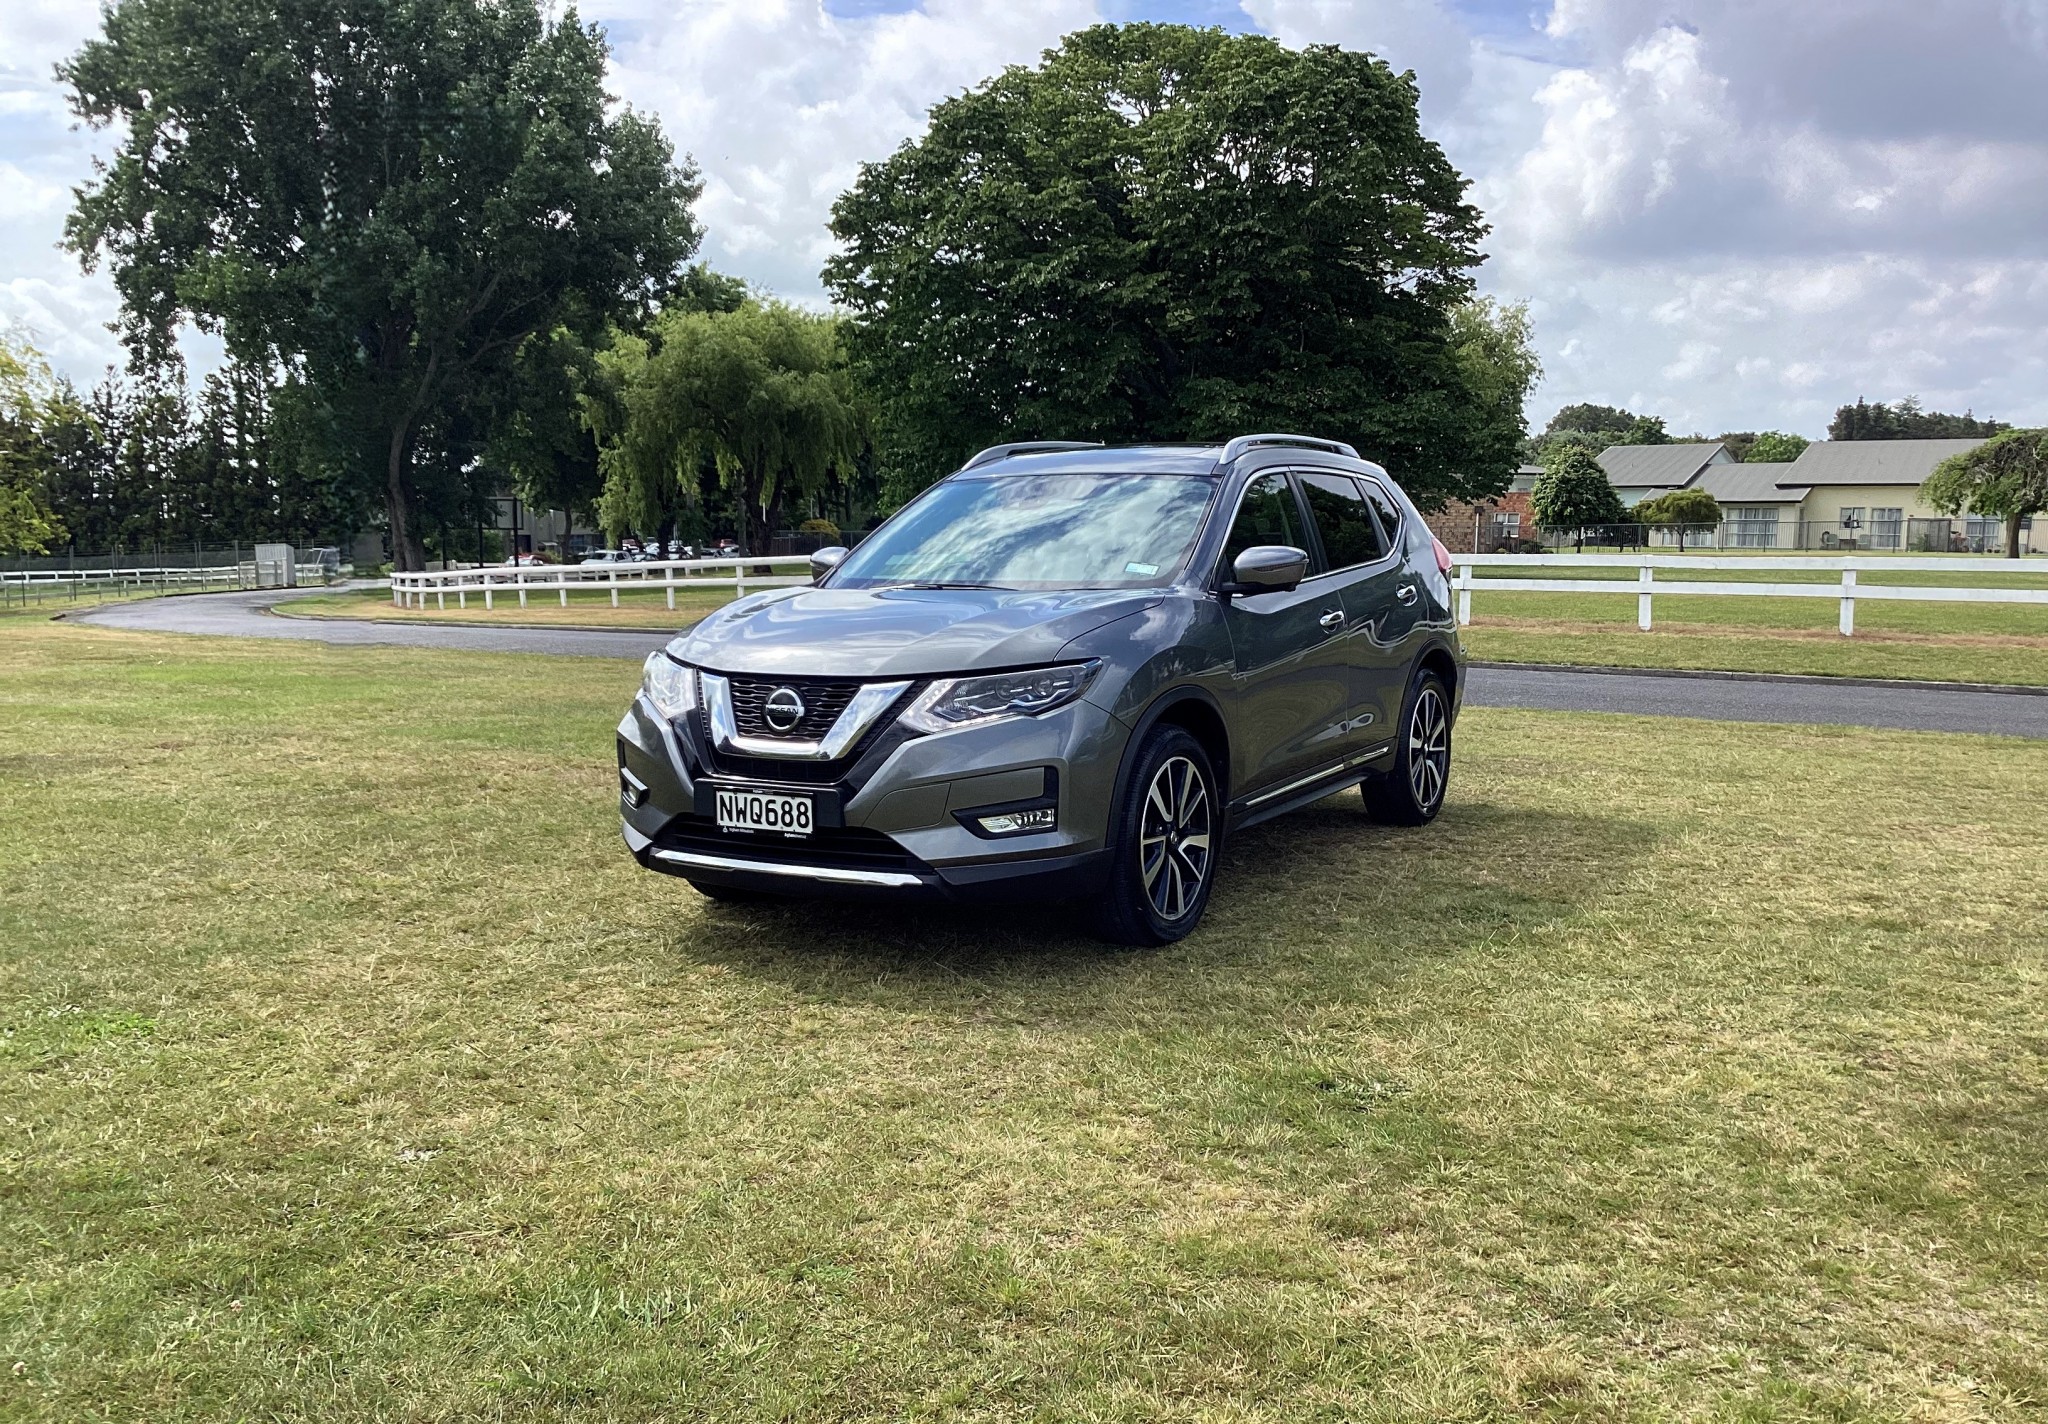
2004 478
1166 233
1574 493
763 394
385 197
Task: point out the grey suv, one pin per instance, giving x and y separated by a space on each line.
1063 671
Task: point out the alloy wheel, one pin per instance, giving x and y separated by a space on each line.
1429 748
1173 838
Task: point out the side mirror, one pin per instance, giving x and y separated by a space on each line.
826 560
1267 568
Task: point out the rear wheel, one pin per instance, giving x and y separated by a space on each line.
1411 791
1163 844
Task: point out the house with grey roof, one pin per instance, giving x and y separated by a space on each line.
1839 494
1640 472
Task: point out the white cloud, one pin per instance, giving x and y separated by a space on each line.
1734 213
781 101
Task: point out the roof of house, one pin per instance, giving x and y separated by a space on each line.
1873 462
1761 483
1657 466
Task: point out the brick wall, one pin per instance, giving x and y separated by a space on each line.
1457 523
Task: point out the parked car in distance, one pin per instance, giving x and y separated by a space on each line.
606 556
1062 672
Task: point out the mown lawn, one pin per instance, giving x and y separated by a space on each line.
350 1070
1944 642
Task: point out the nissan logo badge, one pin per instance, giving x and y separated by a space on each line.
783 709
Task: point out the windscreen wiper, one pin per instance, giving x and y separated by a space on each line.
941 584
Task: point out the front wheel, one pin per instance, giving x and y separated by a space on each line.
1411 791
1165 834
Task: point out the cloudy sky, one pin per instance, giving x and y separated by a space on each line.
1734 213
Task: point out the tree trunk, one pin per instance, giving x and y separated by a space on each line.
408 554
2012 536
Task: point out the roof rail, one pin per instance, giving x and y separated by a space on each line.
1026 447
1245 443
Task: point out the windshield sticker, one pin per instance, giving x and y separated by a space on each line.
1142 570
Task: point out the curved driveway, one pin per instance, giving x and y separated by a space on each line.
1914 707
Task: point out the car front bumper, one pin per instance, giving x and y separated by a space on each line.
899 824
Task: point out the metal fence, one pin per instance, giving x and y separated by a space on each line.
1846 590
490 582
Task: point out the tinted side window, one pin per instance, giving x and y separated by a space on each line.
1267 515
1350 538
1390 512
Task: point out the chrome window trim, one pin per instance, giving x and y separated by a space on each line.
861 713
1216 575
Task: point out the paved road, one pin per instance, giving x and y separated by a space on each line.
1722 699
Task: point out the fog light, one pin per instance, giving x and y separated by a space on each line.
632 788
1016 823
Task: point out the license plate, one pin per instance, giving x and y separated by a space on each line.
764 811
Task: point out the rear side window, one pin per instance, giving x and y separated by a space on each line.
1350 537
1266 515
1390 512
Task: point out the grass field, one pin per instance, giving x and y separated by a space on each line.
1943 642
350 1070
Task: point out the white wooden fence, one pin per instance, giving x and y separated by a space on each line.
40 585
1647 585
412 590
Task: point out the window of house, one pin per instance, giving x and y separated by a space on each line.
1887 528
1507 524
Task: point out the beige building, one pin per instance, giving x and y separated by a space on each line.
1839 494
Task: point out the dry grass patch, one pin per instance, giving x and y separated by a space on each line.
351 1069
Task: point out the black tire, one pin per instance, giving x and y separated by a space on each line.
1164 838
729 894
1411 791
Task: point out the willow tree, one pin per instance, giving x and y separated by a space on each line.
2005 478
32 403
762 393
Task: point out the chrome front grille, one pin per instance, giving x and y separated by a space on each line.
823 701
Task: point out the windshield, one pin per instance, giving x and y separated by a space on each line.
1037 532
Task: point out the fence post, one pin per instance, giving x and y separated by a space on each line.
670 579
1464 595
487 593
739 580
1645 577
562 582
1848 603
615 587
397 596
520 579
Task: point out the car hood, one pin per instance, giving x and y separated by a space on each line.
898 632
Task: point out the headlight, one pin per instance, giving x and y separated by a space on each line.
959 701
671 687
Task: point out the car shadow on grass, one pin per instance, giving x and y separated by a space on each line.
1321 900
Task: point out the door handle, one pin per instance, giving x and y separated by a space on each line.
1406 593
1332 621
